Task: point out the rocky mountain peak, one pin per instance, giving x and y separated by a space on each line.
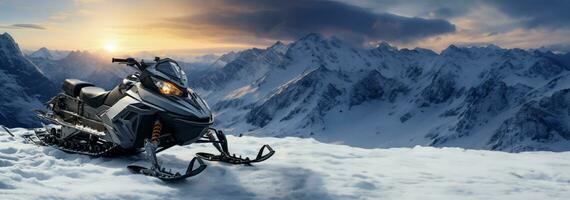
279 47
384 46
7 36
42 53
8 45
450 50
315 37
79 55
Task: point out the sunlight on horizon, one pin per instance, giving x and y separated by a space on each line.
110 46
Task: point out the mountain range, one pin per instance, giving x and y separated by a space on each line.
321 87
80 65
474 97
48 54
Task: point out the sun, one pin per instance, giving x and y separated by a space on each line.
110 47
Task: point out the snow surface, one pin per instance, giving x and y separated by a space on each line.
301 169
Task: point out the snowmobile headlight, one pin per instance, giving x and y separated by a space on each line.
167 88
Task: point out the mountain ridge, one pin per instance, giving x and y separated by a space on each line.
468 93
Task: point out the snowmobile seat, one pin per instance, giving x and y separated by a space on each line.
93 96
72 87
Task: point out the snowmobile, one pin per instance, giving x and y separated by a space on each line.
152 110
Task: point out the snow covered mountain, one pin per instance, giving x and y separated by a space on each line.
85 66
472 97
45 53
41 53
300 169
23 86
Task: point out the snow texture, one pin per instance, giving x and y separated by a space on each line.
301 169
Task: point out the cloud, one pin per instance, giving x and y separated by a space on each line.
535 13
24 26
563 47
530 13
286 20
30 26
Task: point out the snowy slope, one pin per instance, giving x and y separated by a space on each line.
23 87
329 90
301 169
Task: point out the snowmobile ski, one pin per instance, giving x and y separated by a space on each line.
7 131
221 143
155 170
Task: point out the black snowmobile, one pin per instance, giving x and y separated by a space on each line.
151 111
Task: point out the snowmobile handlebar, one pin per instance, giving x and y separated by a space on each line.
128 61
118 60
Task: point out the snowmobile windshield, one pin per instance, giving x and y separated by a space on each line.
173 70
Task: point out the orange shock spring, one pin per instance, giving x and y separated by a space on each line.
156 128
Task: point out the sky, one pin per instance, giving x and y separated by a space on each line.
217 26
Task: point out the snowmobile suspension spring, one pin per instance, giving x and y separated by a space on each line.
157 127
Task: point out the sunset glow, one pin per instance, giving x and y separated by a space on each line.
220 26
110 47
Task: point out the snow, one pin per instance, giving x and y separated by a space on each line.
301 169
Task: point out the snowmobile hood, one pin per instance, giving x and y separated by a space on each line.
169 70
192 106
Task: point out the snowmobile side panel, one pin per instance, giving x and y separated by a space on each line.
128 122
112 112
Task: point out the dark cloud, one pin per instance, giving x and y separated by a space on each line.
531 13
537 13
444 9
27 26
285 20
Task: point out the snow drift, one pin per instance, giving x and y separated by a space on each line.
301 169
